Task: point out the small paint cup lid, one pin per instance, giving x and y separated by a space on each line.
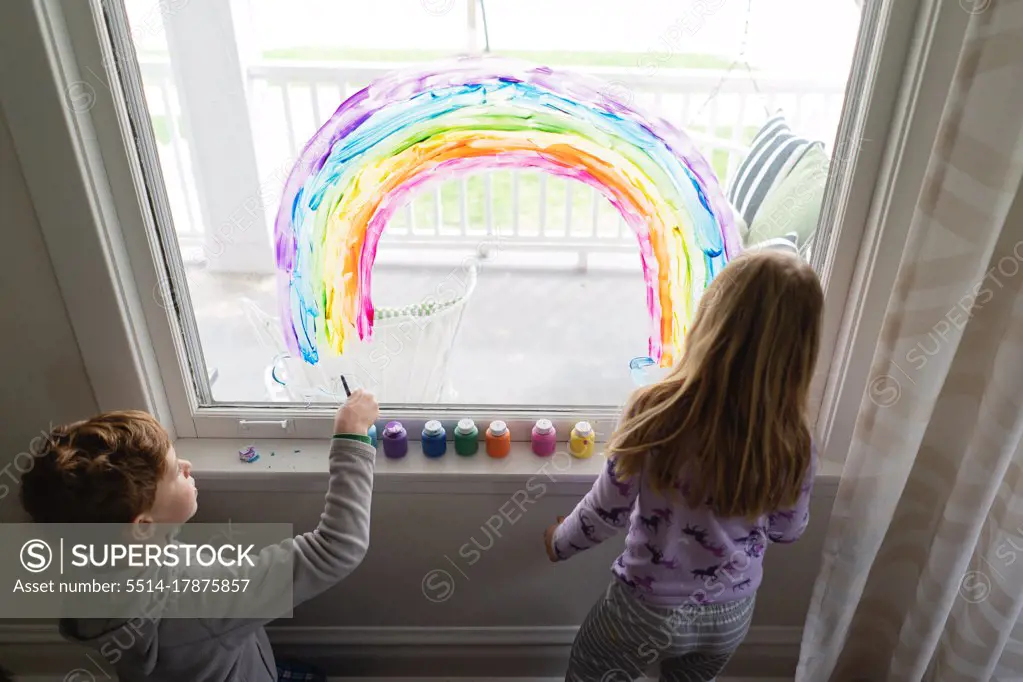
583 428
433 427
465 426
544 426
498 428
394 429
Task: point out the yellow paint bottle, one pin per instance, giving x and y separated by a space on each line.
580 444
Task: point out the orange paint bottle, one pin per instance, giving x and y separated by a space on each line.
498 440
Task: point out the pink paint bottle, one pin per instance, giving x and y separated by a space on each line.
544 438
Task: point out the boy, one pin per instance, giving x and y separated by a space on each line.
120 467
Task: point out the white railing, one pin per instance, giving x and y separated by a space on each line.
167 116
289 100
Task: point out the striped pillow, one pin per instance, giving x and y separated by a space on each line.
773 153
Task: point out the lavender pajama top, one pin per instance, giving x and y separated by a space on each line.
675 555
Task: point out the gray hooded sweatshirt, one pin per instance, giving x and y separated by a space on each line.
232 649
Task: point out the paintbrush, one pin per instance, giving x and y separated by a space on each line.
345 384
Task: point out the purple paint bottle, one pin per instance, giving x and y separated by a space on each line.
395 440
544 438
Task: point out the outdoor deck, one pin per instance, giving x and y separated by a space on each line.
526 336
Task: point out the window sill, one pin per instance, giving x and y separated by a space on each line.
301 465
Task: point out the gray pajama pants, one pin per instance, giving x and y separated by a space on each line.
622 638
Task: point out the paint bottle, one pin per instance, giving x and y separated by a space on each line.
395 440
434 439
498 440
580 444
545 438
372 433
467 438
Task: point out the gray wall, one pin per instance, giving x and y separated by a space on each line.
44 380
510 583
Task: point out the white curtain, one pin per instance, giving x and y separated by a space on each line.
922 575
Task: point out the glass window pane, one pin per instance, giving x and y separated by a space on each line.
555 309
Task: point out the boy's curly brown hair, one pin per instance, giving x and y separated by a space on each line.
101 470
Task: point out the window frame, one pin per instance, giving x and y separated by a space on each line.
81 161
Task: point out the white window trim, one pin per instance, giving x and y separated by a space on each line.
78 168
927 65
301 466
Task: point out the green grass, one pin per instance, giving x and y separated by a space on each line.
502 194
719 158
162 130
530 199
152 52
552 58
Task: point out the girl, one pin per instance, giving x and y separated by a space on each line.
707 467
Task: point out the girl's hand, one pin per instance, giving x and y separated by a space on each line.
357 414
548 539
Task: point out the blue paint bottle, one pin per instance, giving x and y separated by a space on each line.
372 433
434 439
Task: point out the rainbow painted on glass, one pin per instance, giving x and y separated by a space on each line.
411 127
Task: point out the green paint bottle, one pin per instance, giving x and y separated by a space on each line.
467 438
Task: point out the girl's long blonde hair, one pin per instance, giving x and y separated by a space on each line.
728 425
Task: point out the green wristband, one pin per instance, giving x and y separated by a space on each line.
354 436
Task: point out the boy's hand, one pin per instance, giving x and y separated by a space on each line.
357 414
548 539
